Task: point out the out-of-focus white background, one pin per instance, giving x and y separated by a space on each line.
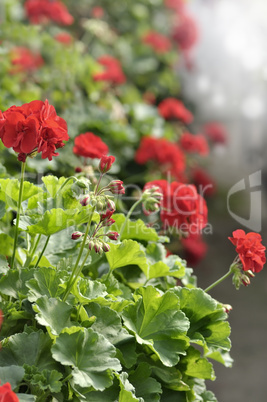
228 83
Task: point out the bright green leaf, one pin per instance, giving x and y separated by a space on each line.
157 321
87 290
129 252
2 209
46 282
134 229
4 267
6 244
9 191
197 366
127 392
90 355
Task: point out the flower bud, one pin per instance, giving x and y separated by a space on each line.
98 247
105 247
107 214
85 201
78 169
227 308
76 235
91 244
116 187
105 163
109 222
245 280
113 235
111 205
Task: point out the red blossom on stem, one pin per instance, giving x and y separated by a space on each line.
24 60
185 32
216 132
194 143
64 37
195 249
89 145
113 72
6 394
158 42
250 250
43 11
171 108
33 127
105 163
113 235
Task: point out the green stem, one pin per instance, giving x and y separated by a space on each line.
129 214
23 165
30 257
97 184
70 283
42 252
219 280
67 378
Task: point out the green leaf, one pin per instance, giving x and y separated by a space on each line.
44 380
9 191
32 348
108 323
127 392
129 252
134 229
196 366
87 290
221 356
12 374
26 398
207 319
53 313
46 282
145 386
2 209
156 321
6 244
54 220
14 282
4 267
90 355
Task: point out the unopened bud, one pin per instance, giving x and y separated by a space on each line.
85 201
105 163
245 280
78 169
107 214
113 235
109 222
91 244
227 308
98 247
111 205
116 187
105 247
76 235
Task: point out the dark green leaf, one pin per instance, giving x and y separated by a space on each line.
12 374
46 282
145 386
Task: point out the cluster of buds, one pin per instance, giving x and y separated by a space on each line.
116 187
102 202
240 276
98 245
151 199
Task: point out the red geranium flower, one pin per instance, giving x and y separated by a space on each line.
97 12
250 250
6 394
23 59
185 32
89 145
159 42
171 108
165 153
216 132
113 72
33 127
43 11
177 5
194 143
182 207
204 182
64 37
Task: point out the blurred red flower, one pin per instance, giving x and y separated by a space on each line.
165 153
185 32
177 5
23 59
97 12
6 394
182 207
89 145
250 250
171 108
204 182
43 11
33 127
64 37
194 143
113 72
195 249
216 132
159 42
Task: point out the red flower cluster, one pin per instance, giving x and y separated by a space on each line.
250 250
113 72
43 11
33 127
194 143
171 108
165 153
64 37
185 32
23 59
182 207
195 249
202 180
97 12
159 42
216 132
89 145
6 394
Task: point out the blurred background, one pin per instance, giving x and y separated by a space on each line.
227 82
